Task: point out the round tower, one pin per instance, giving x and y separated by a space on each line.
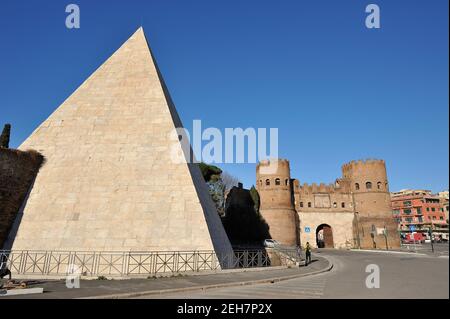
370 188
273 182
372 203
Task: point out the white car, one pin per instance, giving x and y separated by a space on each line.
270 243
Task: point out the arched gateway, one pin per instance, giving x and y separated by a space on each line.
324 236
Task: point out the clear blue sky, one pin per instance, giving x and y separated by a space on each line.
336 90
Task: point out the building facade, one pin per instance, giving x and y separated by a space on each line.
355 211
420 210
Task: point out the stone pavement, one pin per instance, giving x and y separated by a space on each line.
139 287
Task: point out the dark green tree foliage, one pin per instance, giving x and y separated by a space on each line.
243 223
4 138
255 196
210 172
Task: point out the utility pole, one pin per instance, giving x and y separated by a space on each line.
431 237
356 214
385 237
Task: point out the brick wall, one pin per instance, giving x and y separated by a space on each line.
17 172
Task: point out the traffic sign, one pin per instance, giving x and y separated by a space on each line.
412 227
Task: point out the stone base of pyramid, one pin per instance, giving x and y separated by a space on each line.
109 182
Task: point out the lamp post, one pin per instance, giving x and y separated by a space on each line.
357 220
385 237
431 237
357 229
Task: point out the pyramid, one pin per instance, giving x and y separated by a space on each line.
109 183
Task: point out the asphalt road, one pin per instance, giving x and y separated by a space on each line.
401 275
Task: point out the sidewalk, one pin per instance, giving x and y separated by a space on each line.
139 287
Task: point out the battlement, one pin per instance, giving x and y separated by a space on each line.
367 166
273 167
362 162
274 161
340 186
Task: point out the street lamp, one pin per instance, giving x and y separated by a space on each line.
357 229
385 237
431 237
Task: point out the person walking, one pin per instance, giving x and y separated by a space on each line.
308 254
4 271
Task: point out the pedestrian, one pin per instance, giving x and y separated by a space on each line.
4 271
308 254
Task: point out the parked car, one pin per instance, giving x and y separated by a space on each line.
270 243
412 241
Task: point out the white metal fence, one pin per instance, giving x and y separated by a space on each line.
57 263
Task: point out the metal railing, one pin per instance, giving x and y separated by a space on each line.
289 253
89 263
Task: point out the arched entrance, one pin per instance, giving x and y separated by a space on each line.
324 236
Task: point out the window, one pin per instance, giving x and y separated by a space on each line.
409 219
420 219
368 185
309 204
434 217
267 182
286 182
407 211
428 209
379 185
441 218
433 209
334 204
277 181
407 203
396 211
343 205
357 186
301 204
419 211
260 182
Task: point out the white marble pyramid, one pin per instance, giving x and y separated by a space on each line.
109 183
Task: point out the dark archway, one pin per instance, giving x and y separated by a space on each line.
324 236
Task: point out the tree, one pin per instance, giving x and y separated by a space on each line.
209 171
4 138
229 180
255 196
242 222
216 188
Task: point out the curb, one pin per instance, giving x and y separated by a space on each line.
203 288
389 252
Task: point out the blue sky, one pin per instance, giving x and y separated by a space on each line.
336 90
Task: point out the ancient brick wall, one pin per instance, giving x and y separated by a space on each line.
368 233
274 185
17 172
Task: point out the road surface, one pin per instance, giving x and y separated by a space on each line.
402 275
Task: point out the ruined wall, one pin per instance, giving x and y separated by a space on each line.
17 172
364 227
